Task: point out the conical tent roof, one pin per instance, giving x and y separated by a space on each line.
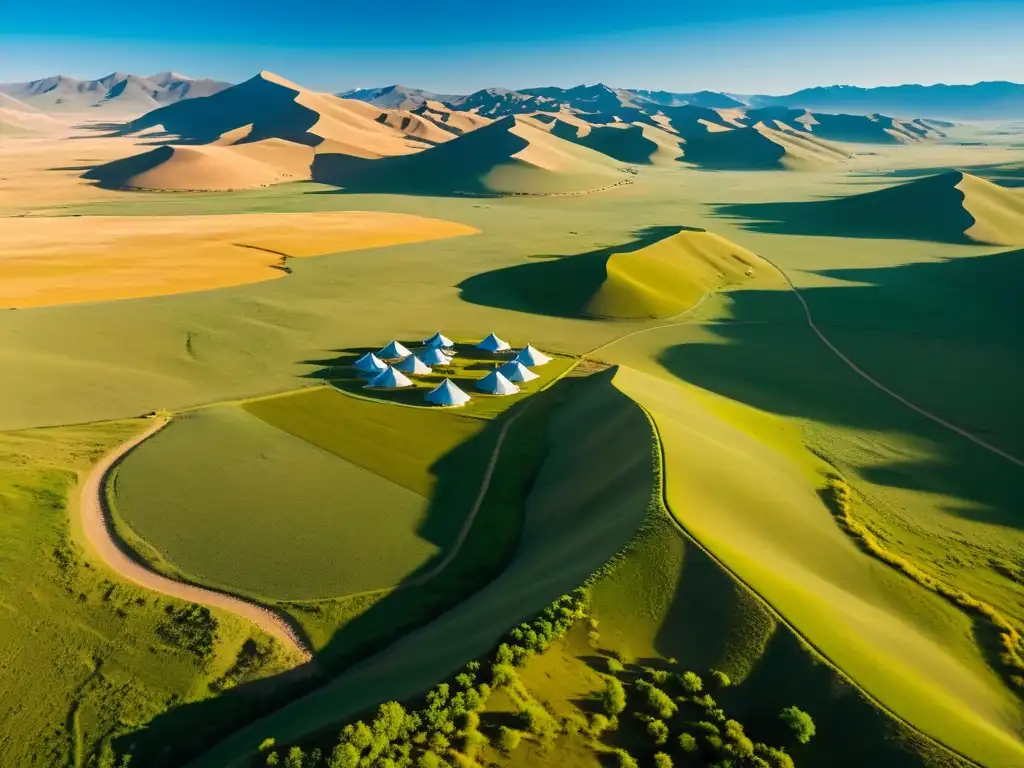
531 356
392 350
493 344
446 393
434 356
439 340
413 365
496 384
369 363
389 378
515 371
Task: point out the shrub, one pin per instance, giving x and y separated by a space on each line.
658 731
626 760
598 725
614 666
272 759
266 744
799 722
344 756
741 745
614 696
503 675
661 760
473 742
660 701
295 759
429 760
691 682
705 727
508 739
658 676
687 743
776 758
721 679
438 742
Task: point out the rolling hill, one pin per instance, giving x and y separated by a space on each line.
637 143
117 92
394 96
951 207
867 129
509 156
760 147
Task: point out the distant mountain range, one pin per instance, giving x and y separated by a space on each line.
117 92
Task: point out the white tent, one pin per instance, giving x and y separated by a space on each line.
493 344
496 384
434 356
532 357
515 371
412 365
439 340
446 393
389 378
393 351
369 363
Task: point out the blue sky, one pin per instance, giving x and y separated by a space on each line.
744 46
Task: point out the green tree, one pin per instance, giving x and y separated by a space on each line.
503 675
721 679
691 682
614 666
598 724
661 760
687 743
296 758
626 760
438 742
273 759
614 696
658 731
429 760
508 739
473 742
267 744
742 746
776 758
345 755
799 722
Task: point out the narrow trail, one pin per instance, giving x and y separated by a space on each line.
99 531
879 385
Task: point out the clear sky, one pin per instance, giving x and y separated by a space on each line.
456 46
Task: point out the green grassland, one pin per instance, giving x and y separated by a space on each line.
87 656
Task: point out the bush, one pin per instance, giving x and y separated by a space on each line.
508 739
658 731
438 742
266 744
344 756
661 760
614 696
657 676
295 759
721 679
626 760
741 745
503 676
272 759
614 666
598 725
776 758
429 760
799 722
660 701
473 742
691 682
687 743
705 727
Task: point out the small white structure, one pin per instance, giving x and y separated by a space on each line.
434 356
413 366
516 372
393 351
389 378
493 344
531 357
369 363
496 384
446 394
439 340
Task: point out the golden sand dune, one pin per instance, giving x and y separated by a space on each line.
760 147
75 259
450 119
671 275
411 123
509 156
210 167
628 143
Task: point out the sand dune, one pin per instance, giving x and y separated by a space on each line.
449 119
856 129
760 147
628 143
417 126
509 156
80 258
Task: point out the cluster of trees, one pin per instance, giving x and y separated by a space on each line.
682 723
191 628
445 729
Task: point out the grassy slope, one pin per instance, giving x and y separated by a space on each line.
756 509
232 502
91 642
599 435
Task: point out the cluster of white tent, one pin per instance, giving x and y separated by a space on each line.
503 380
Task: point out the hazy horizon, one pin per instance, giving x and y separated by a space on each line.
743 48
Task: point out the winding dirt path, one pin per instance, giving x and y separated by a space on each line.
98 530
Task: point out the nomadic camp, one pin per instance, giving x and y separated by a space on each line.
389 378
530 357
369 363
434 356
446 394
516 372
413 366
493 344
393 351
439 340
496 384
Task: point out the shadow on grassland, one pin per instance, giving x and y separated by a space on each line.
556 286
942 334
371 622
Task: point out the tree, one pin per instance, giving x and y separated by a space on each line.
296 758
508 739
503 675
721 679
598 724
429 760
272 759
799 722
438 742
687 743
472 742
626 760
614 696
345 755
741 745
691 682
267 744
658 699
661 760
658 731
776 758
614 666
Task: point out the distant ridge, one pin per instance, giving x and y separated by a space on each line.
394 96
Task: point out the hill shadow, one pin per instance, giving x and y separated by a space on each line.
941 334
556 286
186 731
